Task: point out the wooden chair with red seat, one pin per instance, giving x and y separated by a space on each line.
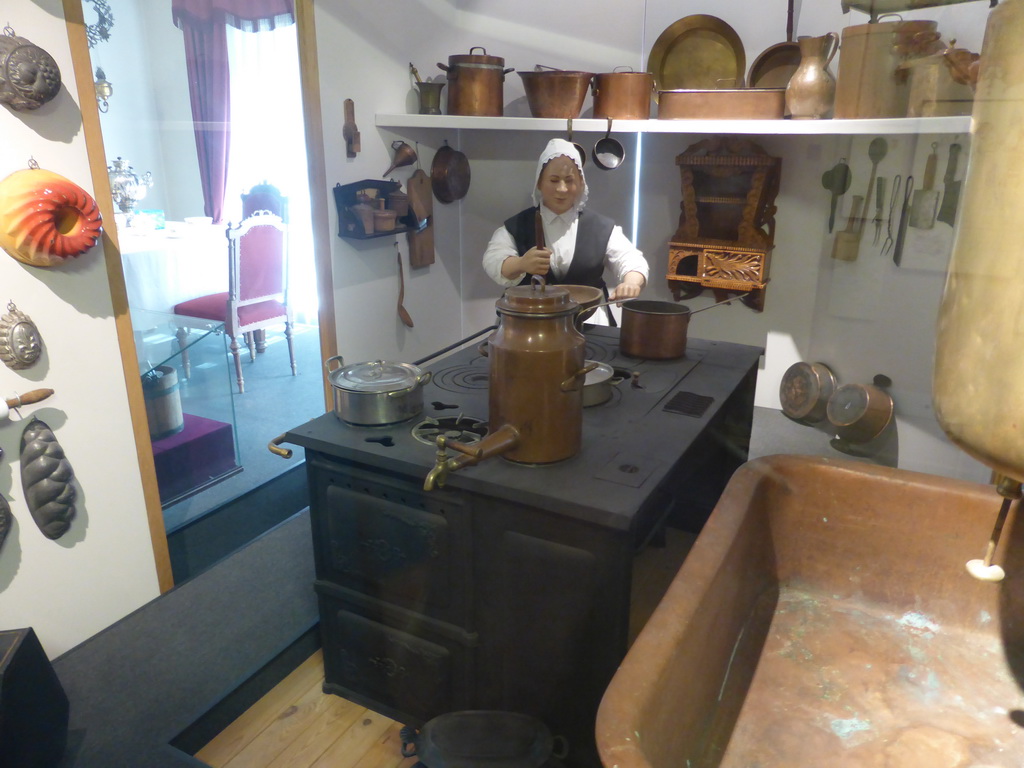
257 289
264 197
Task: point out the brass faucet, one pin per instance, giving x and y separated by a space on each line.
499 441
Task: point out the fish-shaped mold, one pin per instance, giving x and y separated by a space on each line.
47 480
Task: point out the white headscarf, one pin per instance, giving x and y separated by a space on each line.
555 148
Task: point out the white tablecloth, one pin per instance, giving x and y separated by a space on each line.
166 266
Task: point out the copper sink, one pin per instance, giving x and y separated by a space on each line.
824 617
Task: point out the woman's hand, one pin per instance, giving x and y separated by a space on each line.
629 288
536 261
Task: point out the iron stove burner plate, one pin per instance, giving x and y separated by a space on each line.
464 429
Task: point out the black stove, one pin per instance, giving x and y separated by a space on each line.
630 443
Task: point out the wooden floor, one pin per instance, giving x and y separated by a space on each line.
297 725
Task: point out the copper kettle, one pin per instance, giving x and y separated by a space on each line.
536 383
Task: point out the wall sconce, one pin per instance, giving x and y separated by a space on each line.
104 90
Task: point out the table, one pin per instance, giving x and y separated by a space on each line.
163 267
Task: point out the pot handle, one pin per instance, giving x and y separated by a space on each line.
408 735
275 447
421 381
572 383
331 359
447 69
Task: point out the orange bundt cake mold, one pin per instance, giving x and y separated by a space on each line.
46 219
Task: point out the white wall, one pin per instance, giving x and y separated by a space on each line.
863 318
103 568
149 122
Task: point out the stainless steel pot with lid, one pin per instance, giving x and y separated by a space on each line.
377 392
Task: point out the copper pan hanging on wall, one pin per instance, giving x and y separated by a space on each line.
449 174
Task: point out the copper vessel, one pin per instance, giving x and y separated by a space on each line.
536 380
537 372
476 83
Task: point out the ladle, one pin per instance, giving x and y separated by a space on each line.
608 152
836 180
403 313
877 150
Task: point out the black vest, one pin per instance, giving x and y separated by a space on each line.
592 234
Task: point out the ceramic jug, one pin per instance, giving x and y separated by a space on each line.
811 91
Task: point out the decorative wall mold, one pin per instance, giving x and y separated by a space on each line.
29 76
20 342
47 480
45 218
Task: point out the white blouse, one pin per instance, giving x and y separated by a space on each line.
560 236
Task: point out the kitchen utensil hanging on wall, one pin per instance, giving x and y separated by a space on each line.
403 313
775 65
894 200
449 174
421 201
579 147
608 152
901 232
13 403
47 480
20 342
29 76
46 219
404 155
950 187
925 205
837 181
349 131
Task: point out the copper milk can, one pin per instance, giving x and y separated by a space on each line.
537 373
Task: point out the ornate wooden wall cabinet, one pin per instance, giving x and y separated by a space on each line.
727 220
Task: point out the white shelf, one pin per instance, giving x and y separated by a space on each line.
869 126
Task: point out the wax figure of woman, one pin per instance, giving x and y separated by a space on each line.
578 245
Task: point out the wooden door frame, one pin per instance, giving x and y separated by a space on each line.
309 74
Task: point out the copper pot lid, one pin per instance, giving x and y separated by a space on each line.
376 376
537 299
481 59
804 390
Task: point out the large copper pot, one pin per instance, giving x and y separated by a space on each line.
476 84
623 95
537 373
555 92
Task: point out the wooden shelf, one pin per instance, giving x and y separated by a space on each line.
867 126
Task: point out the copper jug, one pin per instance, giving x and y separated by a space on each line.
811 91
537 373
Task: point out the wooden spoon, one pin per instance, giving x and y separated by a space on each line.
403 313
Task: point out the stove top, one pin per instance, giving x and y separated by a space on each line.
630 442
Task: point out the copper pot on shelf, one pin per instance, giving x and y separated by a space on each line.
476 83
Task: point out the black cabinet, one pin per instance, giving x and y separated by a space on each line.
509 588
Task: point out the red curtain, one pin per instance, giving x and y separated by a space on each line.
204 24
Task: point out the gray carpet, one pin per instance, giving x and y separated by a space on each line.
140 683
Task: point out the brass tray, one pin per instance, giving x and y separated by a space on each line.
697 52
774 66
